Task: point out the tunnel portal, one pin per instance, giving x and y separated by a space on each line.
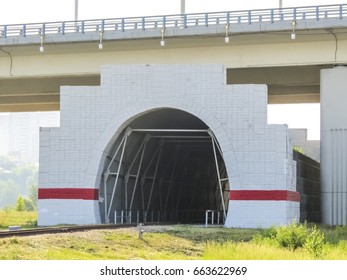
166 166
166 143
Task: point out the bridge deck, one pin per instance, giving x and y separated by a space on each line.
230 22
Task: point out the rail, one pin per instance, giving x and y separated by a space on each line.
183 21
64 229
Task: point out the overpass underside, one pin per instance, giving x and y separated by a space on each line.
260 51
286 84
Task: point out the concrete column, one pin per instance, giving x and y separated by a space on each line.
334 145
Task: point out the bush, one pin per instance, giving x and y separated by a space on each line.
292 236
315 243
270 232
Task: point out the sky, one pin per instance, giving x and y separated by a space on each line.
26 11
30 11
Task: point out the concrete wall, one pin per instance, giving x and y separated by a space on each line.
311 148
308 185
334 145
258 157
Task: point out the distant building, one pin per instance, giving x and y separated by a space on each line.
4 132
20 133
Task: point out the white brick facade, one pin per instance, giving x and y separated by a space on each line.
258 156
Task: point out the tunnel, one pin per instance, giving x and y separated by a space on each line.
165 166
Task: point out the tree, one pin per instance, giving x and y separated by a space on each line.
33 194
20 204
29 205
9 192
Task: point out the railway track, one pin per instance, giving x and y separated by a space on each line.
64 229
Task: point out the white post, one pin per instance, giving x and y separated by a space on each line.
218 176
76 10
183 12
183 7
117 176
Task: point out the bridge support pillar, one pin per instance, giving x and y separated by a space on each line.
334 145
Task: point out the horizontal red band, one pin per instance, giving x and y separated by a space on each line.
265 195
67 193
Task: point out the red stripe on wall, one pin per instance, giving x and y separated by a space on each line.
265 195
61 193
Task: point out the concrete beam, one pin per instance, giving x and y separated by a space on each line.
29 107
29 94
289 75
293 99
287 84
42 85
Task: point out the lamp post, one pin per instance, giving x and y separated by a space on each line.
76 10
183 7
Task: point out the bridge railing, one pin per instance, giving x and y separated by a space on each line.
183 21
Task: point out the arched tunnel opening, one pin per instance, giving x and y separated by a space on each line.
166 166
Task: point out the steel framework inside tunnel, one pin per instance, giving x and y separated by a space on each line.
164 175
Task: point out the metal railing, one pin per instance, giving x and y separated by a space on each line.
123 216
170 21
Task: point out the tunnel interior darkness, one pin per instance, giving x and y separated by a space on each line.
166 166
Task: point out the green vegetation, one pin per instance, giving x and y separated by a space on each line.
183 242
292 236
101 244
10 217
17 179
295 236
299 149
202 235
24 204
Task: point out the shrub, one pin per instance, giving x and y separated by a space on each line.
270 232
315 243
292 236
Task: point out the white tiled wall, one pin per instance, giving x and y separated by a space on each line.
258 156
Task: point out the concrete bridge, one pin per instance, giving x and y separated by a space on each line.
260 50
297 52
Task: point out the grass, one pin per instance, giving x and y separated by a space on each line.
99 244
158 243
217 234
180 242
15 218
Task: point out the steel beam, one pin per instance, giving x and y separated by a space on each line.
116 181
